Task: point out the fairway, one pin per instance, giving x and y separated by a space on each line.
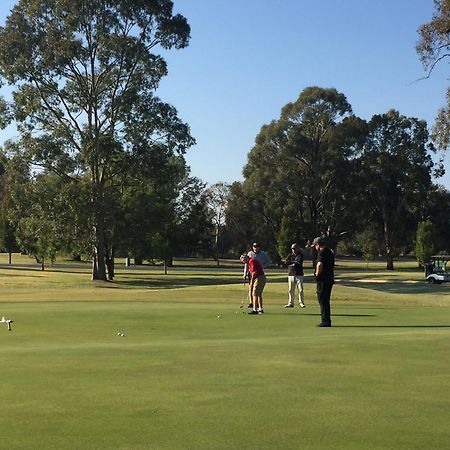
184 378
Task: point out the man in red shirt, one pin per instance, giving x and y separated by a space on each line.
257 283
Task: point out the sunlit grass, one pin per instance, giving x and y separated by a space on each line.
194 371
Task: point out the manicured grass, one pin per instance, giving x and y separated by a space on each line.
183 378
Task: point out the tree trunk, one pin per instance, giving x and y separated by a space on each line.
110 267
98 208
9 258
388 243
109 259
216 244
100 249
389 262
94 267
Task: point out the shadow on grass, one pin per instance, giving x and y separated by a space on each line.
318 314
10 269
396 286
174 283
391 326
48 269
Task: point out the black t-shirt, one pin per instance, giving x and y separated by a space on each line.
326 257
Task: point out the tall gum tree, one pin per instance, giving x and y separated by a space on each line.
299 167
395 167
432 48
84 74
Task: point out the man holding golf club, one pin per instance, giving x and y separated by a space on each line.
263 258
257 281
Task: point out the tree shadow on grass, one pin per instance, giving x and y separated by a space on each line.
173 283
396 286
318 314
275 278
37 270
391 326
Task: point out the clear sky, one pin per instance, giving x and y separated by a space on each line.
248 58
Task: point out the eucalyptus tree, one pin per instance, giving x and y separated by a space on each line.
424 242
240 220
7 231
85 74
434 47
42 222
300 169
217 198
146 213
195 225
395 167
436 209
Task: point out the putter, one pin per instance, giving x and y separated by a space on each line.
242 301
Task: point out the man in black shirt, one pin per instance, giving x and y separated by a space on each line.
324 273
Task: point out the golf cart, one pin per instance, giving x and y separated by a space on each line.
436 269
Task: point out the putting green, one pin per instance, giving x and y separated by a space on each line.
183 378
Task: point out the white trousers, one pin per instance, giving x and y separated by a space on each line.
293 282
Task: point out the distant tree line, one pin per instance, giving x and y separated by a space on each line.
320 170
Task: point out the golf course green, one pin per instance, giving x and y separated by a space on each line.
194 371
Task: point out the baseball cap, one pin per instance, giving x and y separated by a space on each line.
318 240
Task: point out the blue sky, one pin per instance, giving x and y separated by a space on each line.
248 58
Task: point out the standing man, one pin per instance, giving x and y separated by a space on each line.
263 258
324 273
256 283
294 262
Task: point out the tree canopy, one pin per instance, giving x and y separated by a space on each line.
434 47
320 170
84 76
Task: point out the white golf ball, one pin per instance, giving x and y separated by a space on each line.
218 317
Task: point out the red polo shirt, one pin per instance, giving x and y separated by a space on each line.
255 268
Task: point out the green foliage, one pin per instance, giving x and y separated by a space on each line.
47 217
424 242
287 235
239 226
194 221
85 75
319 170
436 208
370 250
300 168
217 197
395 169
432 48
